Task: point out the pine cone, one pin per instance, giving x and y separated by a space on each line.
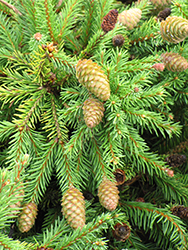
180 211
109 20
91 76
130 18
118 40
93 112
108 194
73 207
164 14
174 62
161 3
175 160
26 219
121 232
174 29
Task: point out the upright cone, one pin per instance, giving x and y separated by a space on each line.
108 194
73 207
26 219
174 29
91 76
174 62
130 18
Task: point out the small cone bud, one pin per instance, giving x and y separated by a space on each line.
91 76
93 111
130 18
159 66
174 62
118 40
26 219
38 36
73 207
108 194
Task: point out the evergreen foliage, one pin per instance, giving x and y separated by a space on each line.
47 146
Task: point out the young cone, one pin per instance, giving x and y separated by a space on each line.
174 62
108 194
130 18
91 76
73 207
93 112
174 29
27 217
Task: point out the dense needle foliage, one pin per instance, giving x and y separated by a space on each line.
47 145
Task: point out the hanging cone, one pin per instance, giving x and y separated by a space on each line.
108 194
73 207
93 112
130 18
91 76
174 29
174 62
26 219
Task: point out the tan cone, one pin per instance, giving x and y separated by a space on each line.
93 111
73 207
91 76
130 18
27 217
108 194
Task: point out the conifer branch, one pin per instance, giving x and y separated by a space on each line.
48 20
11 7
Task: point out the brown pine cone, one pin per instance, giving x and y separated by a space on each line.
109 20
180 211
164 14
121 232
175 160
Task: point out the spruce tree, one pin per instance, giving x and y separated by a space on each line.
93 124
